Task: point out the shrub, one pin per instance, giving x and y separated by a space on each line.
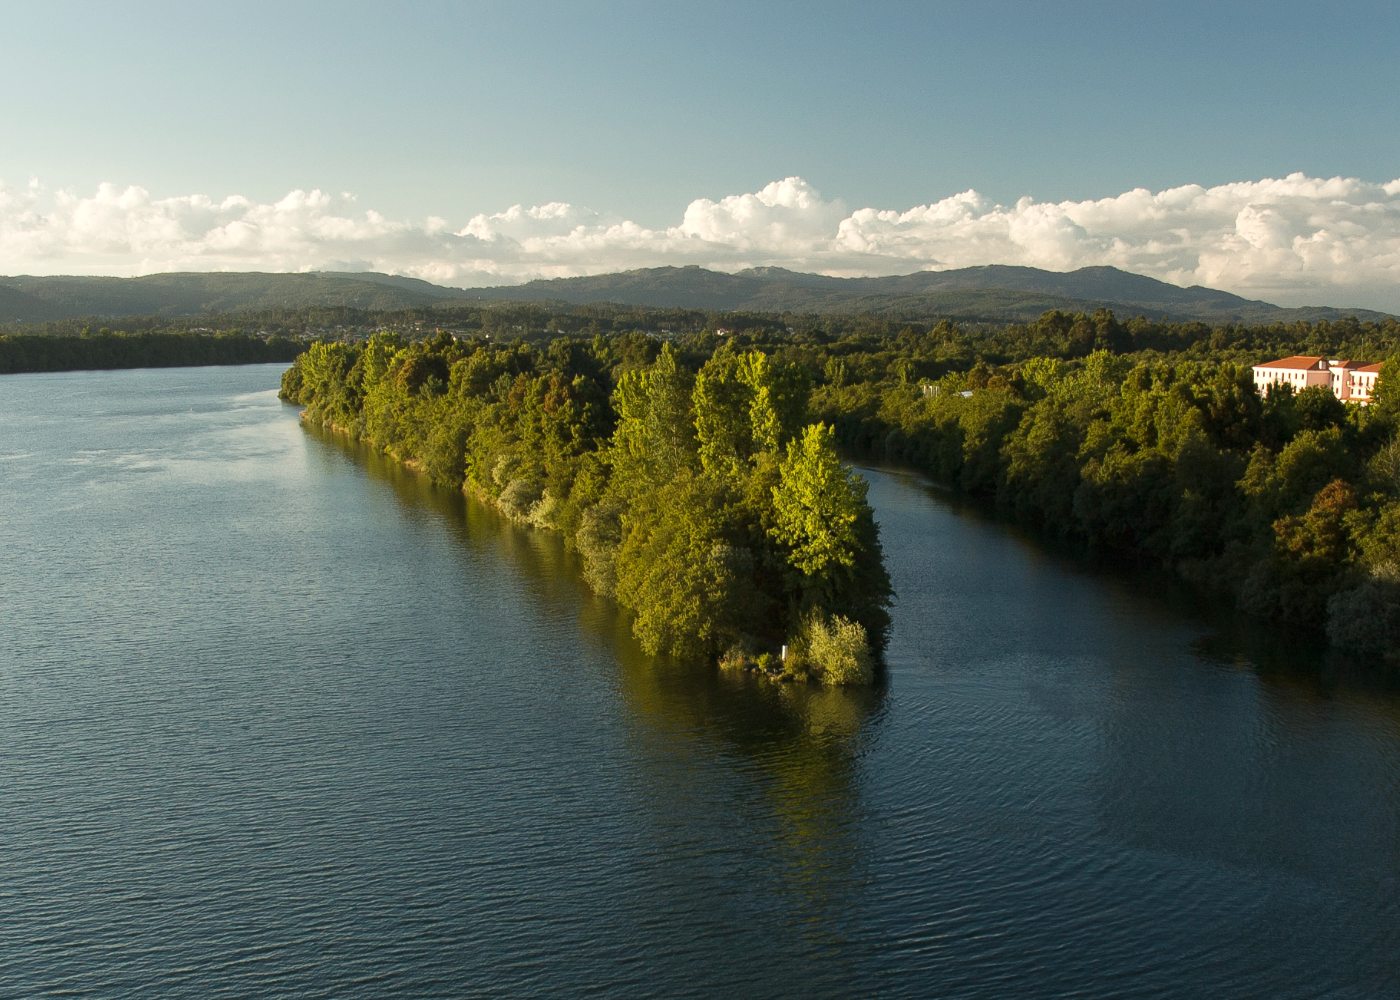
736 657
599 535
1366 618
519 496
837 650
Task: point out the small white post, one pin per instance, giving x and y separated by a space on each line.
784 654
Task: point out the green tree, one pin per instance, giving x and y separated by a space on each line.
816 505
1385 401
689 588
654 440
745 403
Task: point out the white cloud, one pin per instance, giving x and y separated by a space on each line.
1292 240
787 217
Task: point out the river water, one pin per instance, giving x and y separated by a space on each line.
277 719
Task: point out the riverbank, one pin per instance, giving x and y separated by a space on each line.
1287 507
32 353
702 502
831 653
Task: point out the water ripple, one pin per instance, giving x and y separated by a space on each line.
278 720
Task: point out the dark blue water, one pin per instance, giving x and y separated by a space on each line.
277 719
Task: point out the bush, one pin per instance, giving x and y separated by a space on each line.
519 497
836 650
737 657
1366 618
599 535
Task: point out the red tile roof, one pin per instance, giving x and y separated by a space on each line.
1299 361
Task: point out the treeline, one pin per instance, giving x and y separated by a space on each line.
872 349
691 480
925 348
52 353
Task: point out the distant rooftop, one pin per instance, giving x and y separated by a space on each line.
1299 361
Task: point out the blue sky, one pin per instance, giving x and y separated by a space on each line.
635 110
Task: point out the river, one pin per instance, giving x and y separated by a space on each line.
277 718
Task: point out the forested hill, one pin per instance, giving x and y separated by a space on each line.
993 293
182 294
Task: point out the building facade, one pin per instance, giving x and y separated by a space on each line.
1350 381
1363 383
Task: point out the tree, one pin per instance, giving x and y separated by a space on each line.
723 427
690 590
744 404
1318 408
654 439
1385 401
816 505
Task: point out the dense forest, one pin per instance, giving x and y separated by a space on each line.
694 487
1289 505
28 352
1142 440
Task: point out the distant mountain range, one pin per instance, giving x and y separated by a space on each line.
185 294
993 293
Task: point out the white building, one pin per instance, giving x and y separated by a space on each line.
1349 381
1363 383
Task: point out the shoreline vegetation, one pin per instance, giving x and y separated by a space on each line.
106 350
1140 440
700 497
1287 506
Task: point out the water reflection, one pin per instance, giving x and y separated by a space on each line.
1257 775
1218 735
322 729
1121 725
802 743
1282 654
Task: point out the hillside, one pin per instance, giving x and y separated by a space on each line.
993 293
39 299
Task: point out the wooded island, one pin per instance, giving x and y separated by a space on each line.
705 502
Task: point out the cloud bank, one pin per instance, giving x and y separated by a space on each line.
1292 240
